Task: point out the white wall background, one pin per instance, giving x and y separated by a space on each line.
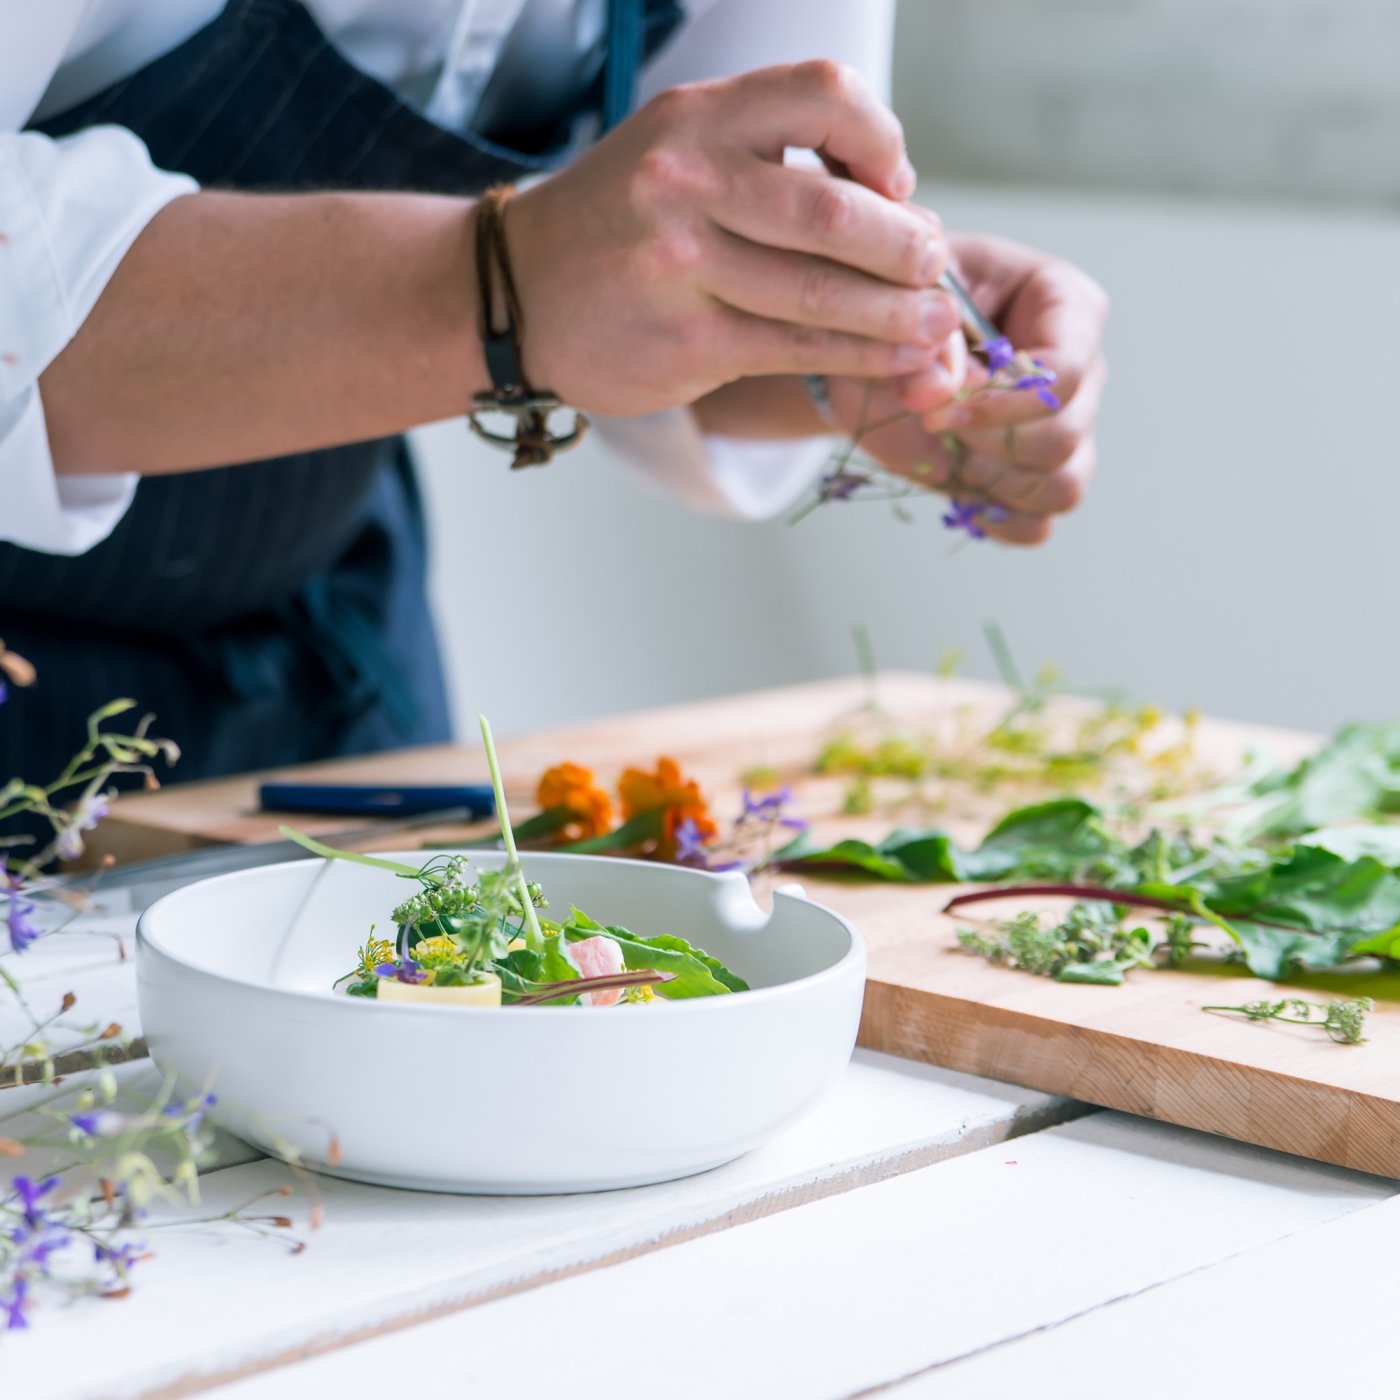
1293 99
1237 551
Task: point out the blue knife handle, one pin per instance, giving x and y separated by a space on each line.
364 800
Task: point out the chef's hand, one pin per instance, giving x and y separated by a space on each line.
680 253
1032 460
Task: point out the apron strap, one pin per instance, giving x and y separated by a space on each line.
626 36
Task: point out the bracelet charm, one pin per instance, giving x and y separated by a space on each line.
532 440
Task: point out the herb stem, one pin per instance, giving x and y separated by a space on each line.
535 935
1005 663
319 848
1138 901
1187 905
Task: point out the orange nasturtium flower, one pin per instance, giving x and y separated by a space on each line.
678 797
589 806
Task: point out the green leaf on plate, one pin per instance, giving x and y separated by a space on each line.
696 973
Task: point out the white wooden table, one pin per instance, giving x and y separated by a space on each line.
922 1233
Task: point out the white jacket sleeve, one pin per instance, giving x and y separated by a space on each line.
667 451
69 210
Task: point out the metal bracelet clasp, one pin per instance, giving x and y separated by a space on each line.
532 441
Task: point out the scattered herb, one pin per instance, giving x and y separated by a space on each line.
1090 944
1135 753
1343 1021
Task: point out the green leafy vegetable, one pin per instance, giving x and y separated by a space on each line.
695 972
1381 843
1356 775
904 855
1049 840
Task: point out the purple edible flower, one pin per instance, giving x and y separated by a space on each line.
100 1122
841 485
1000 353
769 808
1041 385
966 516
36 1246
91 808
30 1193
22 929
692 850
765 806
34 1241
193 1111
1040 377
12 1308
121 1257
690 844
405 971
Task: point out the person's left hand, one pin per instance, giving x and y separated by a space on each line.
1032 461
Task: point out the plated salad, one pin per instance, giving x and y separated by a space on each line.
478 938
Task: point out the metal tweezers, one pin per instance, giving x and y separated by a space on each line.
978 328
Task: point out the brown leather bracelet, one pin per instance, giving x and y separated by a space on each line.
511 391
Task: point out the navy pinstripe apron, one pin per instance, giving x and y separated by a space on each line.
272 612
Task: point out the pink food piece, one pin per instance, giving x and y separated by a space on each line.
599 957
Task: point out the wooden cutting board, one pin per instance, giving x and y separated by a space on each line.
1145 1047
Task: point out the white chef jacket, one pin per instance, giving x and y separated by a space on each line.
70 208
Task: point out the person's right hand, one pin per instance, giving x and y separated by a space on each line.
680 253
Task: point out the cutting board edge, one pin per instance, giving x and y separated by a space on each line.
958 1034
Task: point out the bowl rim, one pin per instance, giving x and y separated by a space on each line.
855 955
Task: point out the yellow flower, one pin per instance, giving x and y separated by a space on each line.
435 951
375 951
679 799
572 787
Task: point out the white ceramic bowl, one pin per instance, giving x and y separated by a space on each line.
499 1100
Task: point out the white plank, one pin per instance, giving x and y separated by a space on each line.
26 1113
860 1289
96 939
105 993
1307 1315
215 1301
94 958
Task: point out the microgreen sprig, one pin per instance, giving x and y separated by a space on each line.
534 935
1343 1021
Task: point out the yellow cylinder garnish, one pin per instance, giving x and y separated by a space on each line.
487 992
